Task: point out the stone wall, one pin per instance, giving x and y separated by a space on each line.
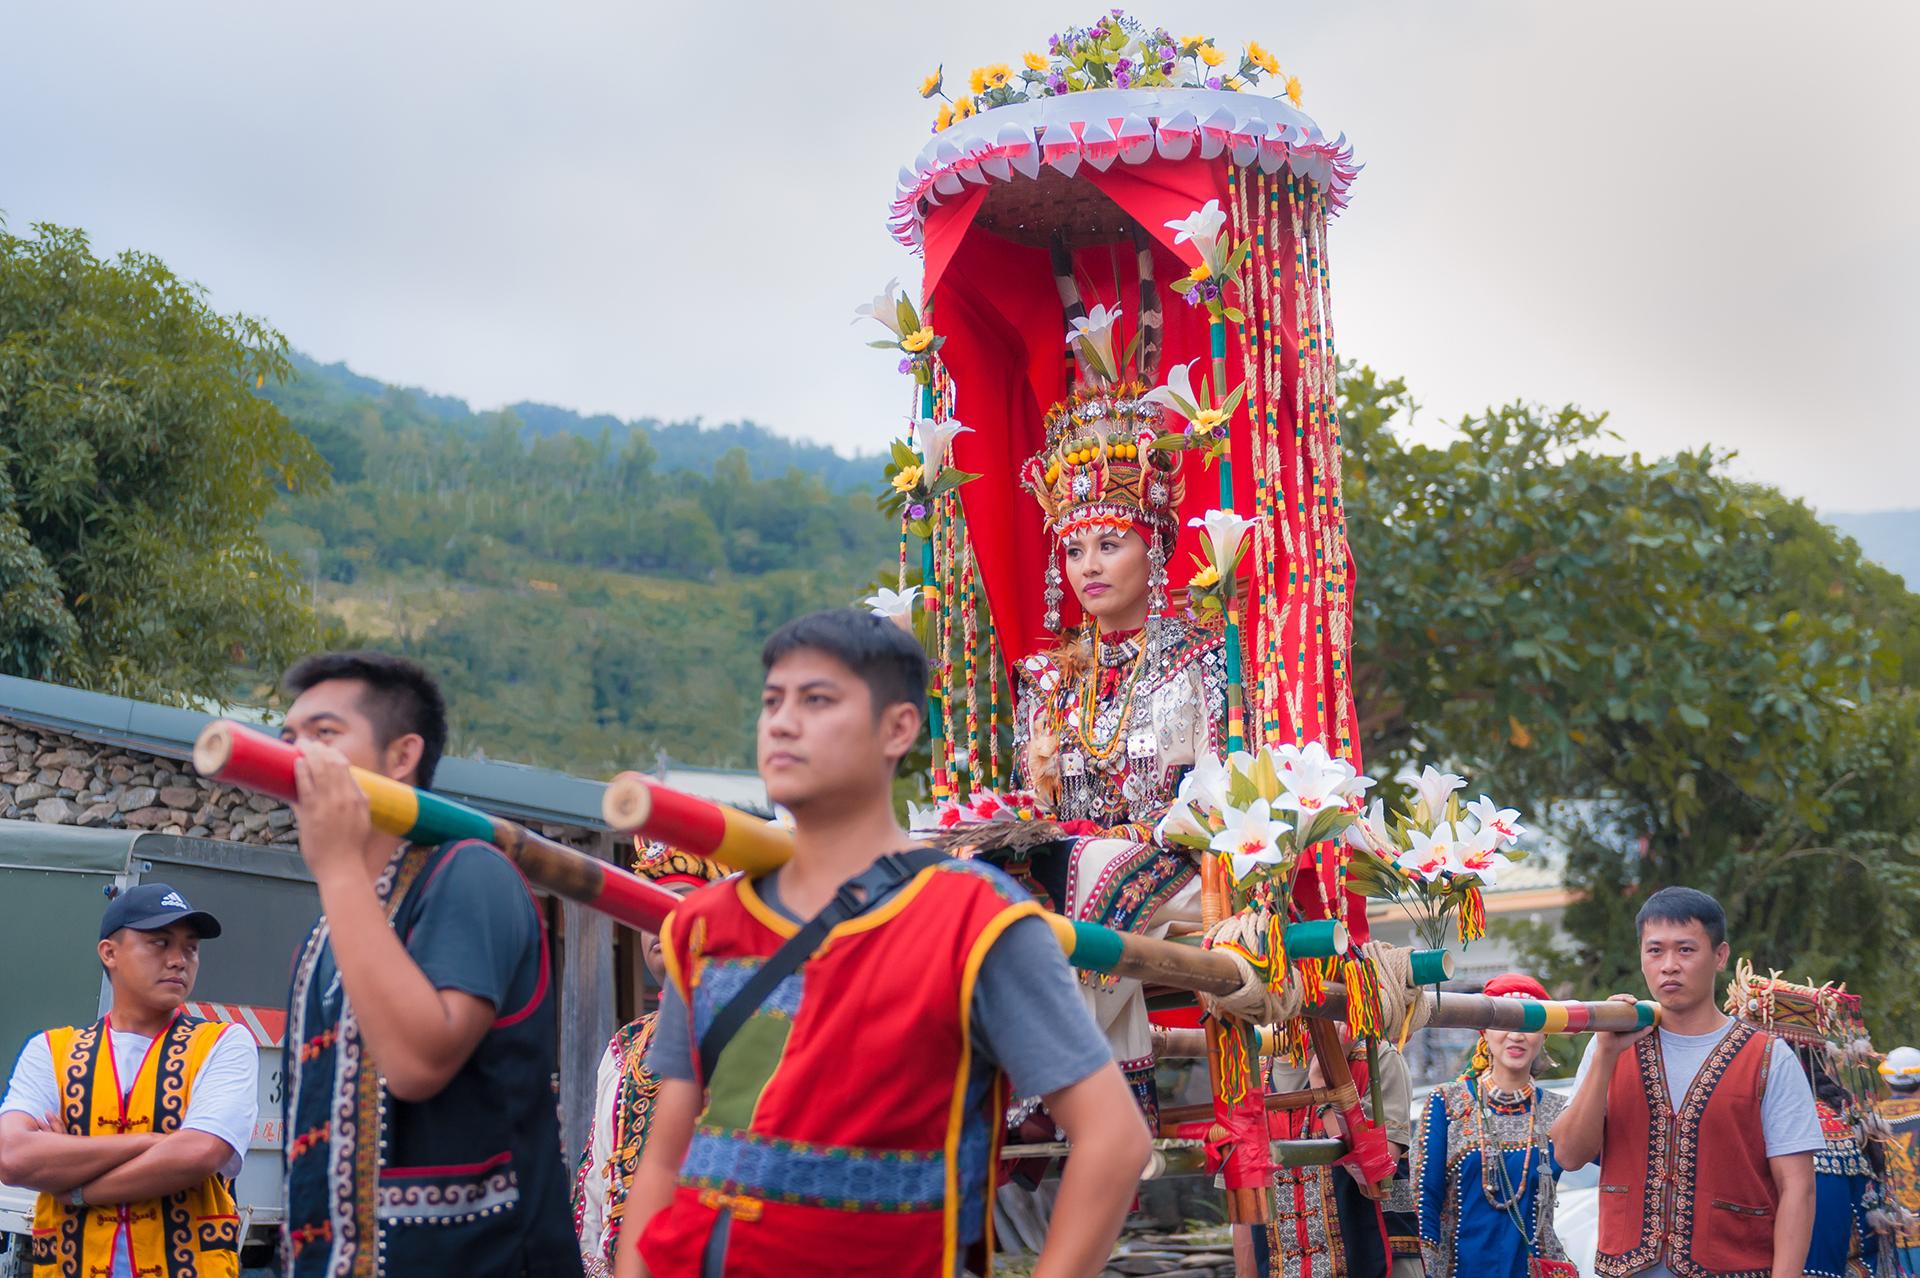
59 779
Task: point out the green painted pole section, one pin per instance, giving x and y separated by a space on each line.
930 590
444 821
1236 679
1312 938
1429 967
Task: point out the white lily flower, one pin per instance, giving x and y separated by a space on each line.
1226 532
1181 822
1314 782
1096 329
933 439
1432 787
1369 831
1428 856
1178 394
1203 227
894 605
919 818
1251 838
884 307
1504 822
1207 784
1482 862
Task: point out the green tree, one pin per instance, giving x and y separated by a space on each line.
136 463
1692 679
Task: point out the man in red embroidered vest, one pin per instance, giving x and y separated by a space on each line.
1705 1128
850 1124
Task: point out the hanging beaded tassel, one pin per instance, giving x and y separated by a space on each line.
970 639
1364 1017
1473 916
993 705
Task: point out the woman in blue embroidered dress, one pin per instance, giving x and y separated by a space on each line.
1485 1162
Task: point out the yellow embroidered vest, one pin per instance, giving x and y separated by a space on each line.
194 1232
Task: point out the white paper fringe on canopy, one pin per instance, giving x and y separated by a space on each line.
1130 126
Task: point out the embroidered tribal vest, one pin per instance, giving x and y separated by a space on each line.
1902 1152
837 1136
1659 1199
191 1234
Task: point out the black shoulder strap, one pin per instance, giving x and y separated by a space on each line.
846 903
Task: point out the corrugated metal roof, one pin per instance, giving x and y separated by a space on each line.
510 789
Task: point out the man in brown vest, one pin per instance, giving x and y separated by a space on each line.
1705 1130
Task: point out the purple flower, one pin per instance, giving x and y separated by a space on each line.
1053 44
1214 83
916 511
1168 52
906 365
1167 68
1211 290
1122 80
1118 13
1057 83
1193 296
1124 64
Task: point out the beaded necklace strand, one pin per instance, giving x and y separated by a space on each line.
1089 701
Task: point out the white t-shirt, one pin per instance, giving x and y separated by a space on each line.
224 1102
1788 1121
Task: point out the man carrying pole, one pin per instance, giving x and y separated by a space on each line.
420 1124
834 1033
1704 1128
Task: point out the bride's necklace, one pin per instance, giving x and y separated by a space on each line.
1090 702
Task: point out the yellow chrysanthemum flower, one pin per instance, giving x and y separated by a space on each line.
908 477
1192 43
1200 274
932 84
1261 58
964 109
977 79
918 340
1034 61
1209 421
1205 579
1211 56
998 74
943 118
1293 89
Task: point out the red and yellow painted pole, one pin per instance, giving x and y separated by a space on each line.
231 753
639 805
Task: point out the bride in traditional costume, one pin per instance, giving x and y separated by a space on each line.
1110 720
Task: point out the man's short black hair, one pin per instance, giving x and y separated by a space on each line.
1684 905
401 697
888 659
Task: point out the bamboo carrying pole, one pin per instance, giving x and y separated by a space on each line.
236 755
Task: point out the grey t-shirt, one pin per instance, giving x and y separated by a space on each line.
1028 1016
1788 1121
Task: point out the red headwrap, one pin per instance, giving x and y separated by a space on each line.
1514 985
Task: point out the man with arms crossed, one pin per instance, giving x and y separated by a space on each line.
849 1125
1705 1129
133 1128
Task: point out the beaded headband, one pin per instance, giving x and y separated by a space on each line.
1098 469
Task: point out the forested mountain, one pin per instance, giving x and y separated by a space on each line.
331 393
1891 538
592 591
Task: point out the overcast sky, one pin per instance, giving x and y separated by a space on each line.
1700 216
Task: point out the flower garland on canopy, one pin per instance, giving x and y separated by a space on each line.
1115 52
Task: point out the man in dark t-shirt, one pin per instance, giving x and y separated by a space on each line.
420 1124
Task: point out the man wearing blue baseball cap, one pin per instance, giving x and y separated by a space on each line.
133 1128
